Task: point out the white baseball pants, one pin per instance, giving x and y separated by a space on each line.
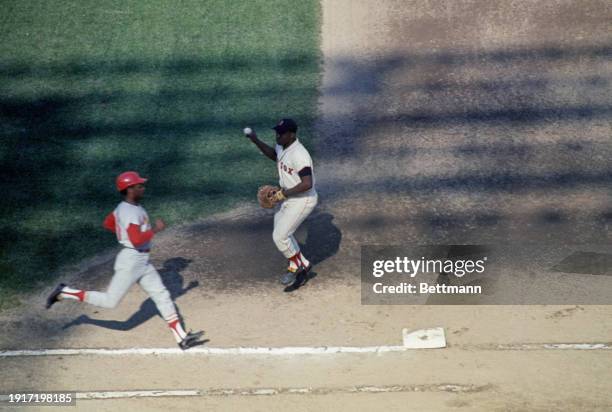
132 266
287 219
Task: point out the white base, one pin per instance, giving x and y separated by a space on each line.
432 338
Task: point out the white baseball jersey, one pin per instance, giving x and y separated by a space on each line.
289 162
127 214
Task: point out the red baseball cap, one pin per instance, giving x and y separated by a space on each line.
127 179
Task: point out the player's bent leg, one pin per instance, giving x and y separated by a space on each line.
106 300
286 221
283 242
117 289
119 285
280 234
152 283
129 266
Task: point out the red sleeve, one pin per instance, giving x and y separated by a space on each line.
137 237
109 222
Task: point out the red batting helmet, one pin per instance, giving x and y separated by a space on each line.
127 179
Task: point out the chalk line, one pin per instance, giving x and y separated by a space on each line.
284 351
223 392
279 351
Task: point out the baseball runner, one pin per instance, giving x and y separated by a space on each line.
296 194
130 222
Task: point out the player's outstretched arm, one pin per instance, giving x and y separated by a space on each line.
265 149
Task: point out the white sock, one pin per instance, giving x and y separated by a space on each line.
75 294
176 328
298 260
305 262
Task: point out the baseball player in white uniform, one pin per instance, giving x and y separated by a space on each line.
298 196
130 223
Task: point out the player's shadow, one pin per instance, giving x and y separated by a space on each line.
322 238
322 241
173 281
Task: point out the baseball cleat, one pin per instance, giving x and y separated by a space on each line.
53 297
306 269
192 339
289 277
301 277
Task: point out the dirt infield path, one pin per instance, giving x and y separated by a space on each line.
437 380
440 122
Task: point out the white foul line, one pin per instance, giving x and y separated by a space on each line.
431 338
453 388
556 346
160 393
135 394
284 351
281 351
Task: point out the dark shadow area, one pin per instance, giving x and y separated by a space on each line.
323 240
178 66
550 217
170 273
588 263
323 237
431 220
486 181
512 100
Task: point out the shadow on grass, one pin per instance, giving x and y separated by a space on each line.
180 125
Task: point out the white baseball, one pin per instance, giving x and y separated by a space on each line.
247 131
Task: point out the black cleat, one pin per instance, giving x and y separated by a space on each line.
53 297
191 340
301 277
288 278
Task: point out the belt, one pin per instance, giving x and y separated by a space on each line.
138 250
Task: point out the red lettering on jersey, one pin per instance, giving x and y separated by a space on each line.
283 166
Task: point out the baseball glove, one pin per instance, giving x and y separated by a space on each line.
268 196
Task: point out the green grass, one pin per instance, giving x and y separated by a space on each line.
89 89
